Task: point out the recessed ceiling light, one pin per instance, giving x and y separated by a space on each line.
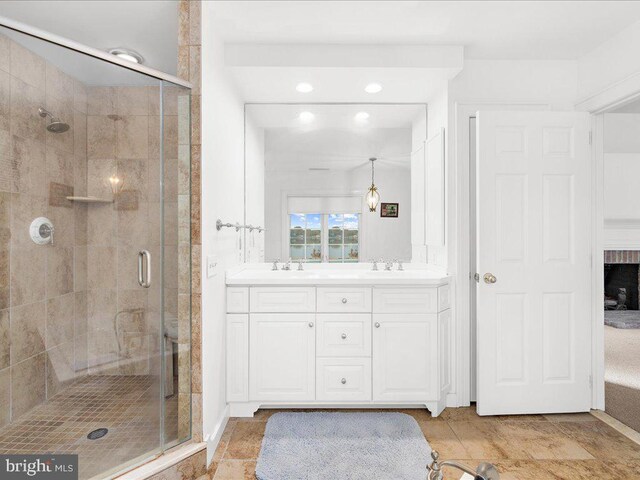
373 88
127 54
304 87
306 117
361 117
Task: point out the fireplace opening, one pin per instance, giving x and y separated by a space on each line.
621 286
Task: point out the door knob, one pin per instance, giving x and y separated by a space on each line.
344 336
490 278
377 325
344 300
310 324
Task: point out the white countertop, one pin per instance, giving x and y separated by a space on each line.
354 274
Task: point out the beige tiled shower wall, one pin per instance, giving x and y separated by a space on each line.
42 287
189 68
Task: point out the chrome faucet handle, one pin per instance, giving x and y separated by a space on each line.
300 267
435 473
374 265
274 267
485 471
400 266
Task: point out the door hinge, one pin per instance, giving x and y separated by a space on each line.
590 137
476 277
591 381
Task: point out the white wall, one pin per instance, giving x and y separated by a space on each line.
613 61
254 191
222 197
553 82
386 238
437 118
621 174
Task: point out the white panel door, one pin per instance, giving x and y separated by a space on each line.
282 356
533 236
405 357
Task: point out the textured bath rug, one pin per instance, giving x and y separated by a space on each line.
343 446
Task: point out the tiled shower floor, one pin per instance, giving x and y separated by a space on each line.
126 405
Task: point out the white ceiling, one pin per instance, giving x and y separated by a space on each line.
334 139
487 29
148 26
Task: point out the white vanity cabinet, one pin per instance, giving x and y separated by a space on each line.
332 345
282 356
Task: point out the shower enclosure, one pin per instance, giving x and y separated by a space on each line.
94 255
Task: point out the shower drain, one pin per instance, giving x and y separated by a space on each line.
98 433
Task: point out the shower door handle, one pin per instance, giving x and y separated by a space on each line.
144 268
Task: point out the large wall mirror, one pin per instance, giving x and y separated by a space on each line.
308 169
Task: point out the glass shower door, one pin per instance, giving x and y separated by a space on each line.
96 300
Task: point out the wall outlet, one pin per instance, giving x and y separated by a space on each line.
212 263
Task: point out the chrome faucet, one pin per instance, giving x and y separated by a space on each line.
287 266
274 267
388 266
374 265
300 267
485 471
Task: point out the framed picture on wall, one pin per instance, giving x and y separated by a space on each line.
389 210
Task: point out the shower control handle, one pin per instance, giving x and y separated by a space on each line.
144 268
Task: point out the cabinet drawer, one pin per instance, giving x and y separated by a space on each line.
343 335
343 379
405 300
344 299
283 299
237 299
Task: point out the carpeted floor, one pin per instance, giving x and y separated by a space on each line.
622 375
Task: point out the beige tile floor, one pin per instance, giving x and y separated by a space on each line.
529 447
126 405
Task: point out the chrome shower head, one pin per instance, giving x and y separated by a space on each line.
55 125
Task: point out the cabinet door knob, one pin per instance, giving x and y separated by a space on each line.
310 324
344 300
344 336
377 325
343 381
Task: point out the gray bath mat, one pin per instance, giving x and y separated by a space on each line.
343 446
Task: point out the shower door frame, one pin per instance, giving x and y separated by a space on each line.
90 51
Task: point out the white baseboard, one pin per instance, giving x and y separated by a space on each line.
212 439
628 432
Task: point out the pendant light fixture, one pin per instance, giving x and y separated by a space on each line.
372 197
